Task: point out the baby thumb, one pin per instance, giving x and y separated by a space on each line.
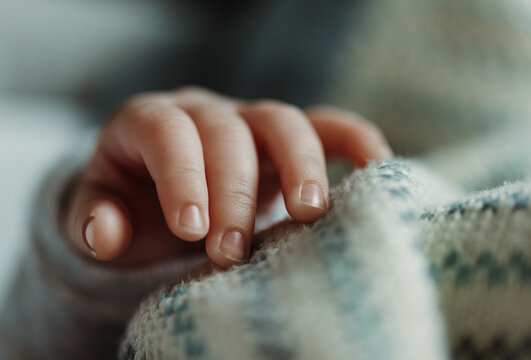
98 223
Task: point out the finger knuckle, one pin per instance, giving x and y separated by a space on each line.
212 114
277 108
241 193
189 169
231 133
154 120
142 99
302 162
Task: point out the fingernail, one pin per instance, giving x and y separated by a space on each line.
233 246
312 195
190 219
88 234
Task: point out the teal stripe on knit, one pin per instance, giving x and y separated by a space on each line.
517 201
363 325
496 272
179 317
347 278
265 326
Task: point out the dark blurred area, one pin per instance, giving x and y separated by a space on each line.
98 53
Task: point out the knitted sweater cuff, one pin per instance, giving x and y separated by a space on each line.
116 289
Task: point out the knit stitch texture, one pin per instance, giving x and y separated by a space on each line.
385 275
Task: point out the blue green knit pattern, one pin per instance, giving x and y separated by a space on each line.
329 270
375 270
369 268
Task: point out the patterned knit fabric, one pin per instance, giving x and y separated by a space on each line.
417 259
359 284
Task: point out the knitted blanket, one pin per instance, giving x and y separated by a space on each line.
426 258
387 274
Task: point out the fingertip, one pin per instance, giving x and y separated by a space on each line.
107 231
308 203
311 195
347 134
385 152
191 223
232 246
376 148
228 249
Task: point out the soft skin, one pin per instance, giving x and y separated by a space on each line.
173 168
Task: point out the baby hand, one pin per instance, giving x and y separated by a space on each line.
185 165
